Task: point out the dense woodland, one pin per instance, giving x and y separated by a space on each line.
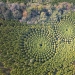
34 13
46 47
42 1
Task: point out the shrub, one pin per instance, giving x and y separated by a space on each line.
14 6
2 7
34 13
42 16
22 6
7 15
40 7
17 14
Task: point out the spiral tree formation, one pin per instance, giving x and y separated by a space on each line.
38 44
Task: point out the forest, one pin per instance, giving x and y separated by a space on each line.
37 38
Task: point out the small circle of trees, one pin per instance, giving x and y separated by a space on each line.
66 30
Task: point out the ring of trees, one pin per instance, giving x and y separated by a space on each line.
65 30
37 45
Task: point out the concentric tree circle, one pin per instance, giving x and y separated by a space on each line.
38 44
66 29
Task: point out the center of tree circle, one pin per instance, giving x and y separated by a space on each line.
40 45
66 29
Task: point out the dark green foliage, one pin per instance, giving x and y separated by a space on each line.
8 15
17 14
57 1
25 1
2 7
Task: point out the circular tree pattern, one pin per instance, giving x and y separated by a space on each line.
66 29
38 44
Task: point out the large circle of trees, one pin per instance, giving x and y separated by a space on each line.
38 44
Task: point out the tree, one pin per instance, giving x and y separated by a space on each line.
8 15
17 14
